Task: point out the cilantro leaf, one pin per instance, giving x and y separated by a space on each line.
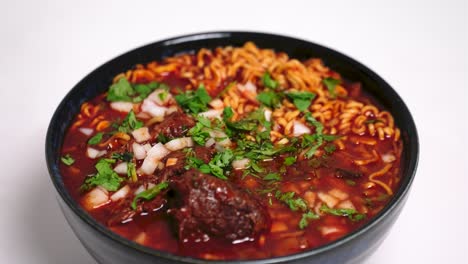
130 123
105 177
301 100
198 132
289 161
268 82
270 99
220 162
352 214
306 217
95 139
331 84
123 90
293 203
67 160
227 113
120 91
150 193
272 177
126 156
194 102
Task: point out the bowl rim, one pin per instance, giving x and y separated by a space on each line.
398 197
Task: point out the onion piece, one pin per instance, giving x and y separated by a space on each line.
121 193
156 97
122 106
139 151
346 205
140 189
141 134
267 114
389 157
240 164
179 143
153 109
217 104
210 142
154 155
94 153
121 168
86 131
211 114
328 199
95 198
300 129
338 194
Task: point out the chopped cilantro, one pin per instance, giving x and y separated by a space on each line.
270 99
162 138
289 161
130 123
272 177
131 171
194 101
301 100
123 90
268 82
350 182
220 162
105 176
198 132
120 91
96 139
331 84
126 156
352 214
293 203
227 113
306 217
67 160
150 193
329 148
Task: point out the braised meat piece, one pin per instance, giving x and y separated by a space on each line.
174 125
208 206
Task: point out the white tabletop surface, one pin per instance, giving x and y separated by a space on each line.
419 47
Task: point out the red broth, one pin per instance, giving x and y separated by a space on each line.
344 184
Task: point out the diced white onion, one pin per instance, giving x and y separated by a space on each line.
141 134
338 194
217 104
121 168
154 155
120 194
326 230
95 198
300 129
171 110
179 143
250 87
122 106
328 199
139 151
147 147
153 109
267 114
210 142
86 131
346 205
94 153
140 189
225 142
213 113
156 97
240 164
389 157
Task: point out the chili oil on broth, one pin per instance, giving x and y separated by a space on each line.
310 202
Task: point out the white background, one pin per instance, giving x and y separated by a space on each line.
419 47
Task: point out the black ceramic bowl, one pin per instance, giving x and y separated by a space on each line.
108 247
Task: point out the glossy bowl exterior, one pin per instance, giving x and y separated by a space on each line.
108 247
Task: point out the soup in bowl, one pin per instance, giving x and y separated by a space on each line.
232 147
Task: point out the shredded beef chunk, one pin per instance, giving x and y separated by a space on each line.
208 206
174 125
